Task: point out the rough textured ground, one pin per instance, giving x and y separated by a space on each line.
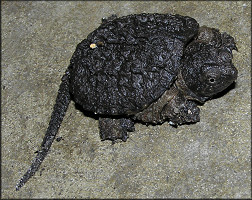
210 159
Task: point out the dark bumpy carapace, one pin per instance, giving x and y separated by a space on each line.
145 67
136 59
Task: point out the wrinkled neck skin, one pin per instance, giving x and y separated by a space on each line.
177 105
188 94
181 106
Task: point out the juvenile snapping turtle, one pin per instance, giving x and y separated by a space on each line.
145 67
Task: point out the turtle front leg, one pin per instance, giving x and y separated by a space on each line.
113 128
179 111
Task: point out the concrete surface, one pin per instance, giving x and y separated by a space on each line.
210 159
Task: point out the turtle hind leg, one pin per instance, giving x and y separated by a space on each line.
115 128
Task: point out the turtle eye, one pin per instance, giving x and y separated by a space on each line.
225 56
211 80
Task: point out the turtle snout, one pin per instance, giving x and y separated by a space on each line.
230 73
233 73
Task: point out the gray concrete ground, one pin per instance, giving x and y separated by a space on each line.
209 159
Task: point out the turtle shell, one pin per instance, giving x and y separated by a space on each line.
129 62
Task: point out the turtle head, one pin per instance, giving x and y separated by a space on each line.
207 64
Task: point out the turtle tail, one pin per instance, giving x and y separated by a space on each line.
59 110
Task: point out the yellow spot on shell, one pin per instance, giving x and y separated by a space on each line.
92 46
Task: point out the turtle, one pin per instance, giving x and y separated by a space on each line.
149 67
